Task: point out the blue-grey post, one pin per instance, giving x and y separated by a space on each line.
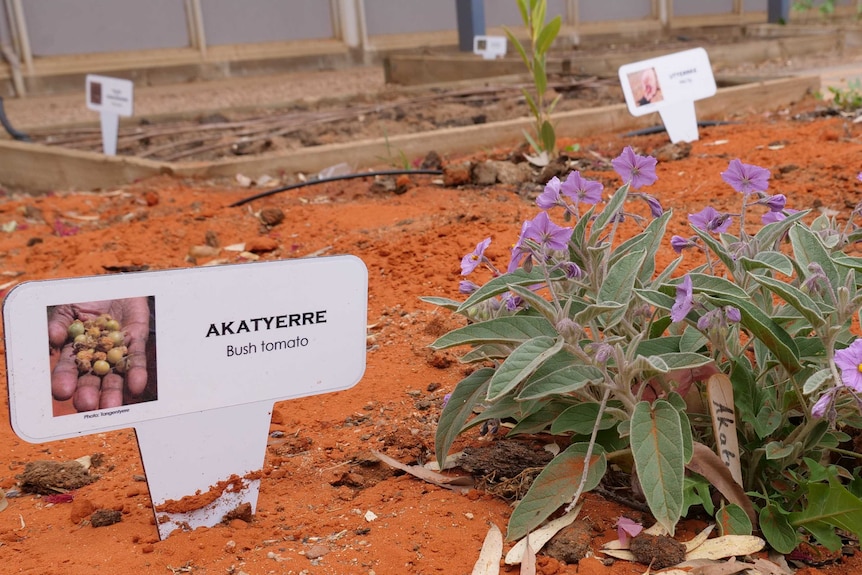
471 22
778 11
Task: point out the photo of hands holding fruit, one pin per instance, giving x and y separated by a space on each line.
102 354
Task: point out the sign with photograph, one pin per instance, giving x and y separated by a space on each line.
669 85
112 98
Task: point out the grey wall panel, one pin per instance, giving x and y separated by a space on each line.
82 26
406 16
252 21
699 7
754 5
506 13
604 10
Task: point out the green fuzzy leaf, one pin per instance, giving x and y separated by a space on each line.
849 262
581 419
745 391
776 450
764 328
769 234
541 418
692 340
716 286
611 209
540 79
831 505
807 248
593 311
732 520
555 486
548 35
521 363
444 302
657 447
562 373
685 360
618 284
775 261
816 380
534 109
658 346
502 284
650 241
469 392
800 301
767 421
696 492
656 298
777 530
549 137
506 330
716 248
536 301
486 352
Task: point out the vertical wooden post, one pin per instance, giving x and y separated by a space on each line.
20 24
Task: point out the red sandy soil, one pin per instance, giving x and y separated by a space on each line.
318 481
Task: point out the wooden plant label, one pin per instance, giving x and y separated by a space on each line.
719 391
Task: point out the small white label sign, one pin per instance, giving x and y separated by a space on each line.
669 85
217 337
490 47
106 94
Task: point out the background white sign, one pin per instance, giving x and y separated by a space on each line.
223 336
490 47
105 94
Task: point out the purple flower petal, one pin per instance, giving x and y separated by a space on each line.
472 260
710 220
849 361
746 178
467 287
634 169
684 300
547 234
819 409
732 314
550 197
679 243
582 190
776 203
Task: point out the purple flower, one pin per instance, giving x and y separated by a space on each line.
772 217
849 360
581 189
859 176
684 300
472 260
710 220
655 208
746 178
517 250
819 409
679 243
710 319
546 233
572 270
550 197
776 203
732 314
634 169
467 287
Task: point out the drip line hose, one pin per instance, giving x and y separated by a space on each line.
16 135
315 181
660 129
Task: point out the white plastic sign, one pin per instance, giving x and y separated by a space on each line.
112 98
219 336
669 85
490 47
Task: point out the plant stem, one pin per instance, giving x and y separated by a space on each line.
589 453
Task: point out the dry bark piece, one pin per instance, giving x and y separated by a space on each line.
48 477
271 216
659 551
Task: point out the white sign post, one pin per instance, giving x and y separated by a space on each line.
209 352
112 98
670 85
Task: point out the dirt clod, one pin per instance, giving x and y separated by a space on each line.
659 551
243 511
105 517
50 477
271 216
571 544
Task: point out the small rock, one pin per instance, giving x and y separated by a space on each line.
383 185
484 174
211 239
316 552
243 181
571 544
203 252
370 516
230 546
139 477
271 216
671 152
81 509
105 517
151 197
456 174
512 174
242 512
432 161
261 245
402 184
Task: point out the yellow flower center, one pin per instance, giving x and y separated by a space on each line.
474 257
859 368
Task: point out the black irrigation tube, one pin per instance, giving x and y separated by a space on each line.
660 129
16 135
313 182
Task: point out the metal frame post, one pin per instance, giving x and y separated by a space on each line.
471 22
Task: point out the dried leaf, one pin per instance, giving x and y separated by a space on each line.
448 463
461 484
540 536
727 546
492 549
729 567
528 560
698 539
540 160
623 554
705 462
767 567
